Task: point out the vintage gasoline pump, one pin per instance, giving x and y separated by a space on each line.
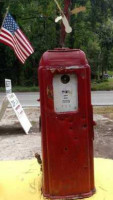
67 123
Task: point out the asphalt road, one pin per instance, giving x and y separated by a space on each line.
102 98
25 98
99 98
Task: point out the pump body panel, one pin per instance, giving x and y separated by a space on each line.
67 124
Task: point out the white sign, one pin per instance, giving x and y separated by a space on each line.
3 107
13 100
8 86
19 112
65 93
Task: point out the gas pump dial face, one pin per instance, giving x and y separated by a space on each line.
65 79
65 92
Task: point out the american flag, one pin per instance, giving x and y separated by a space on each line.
11 35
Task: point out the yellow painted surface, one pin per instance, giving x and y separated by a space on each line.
21 180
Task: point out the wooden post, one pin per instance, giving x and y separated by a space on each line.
67 4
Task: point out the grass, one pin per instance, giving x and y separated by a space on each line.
95 86
102 109
106 111
103 85
22 89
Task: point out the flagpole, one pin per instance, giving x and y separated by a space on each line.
7 10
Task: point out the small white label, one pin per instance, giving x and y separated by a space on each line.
65 92
8 86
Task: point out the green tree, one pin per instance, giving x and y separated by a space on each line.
92 32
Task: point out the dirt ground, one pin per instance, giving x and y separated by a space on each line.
16 145
103 143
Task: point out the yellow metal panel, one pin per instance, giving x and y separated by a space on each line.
21 180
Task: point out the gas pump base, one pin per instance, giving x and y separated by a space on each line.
72 197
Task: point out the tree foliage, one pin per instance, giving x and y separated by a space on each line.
92 32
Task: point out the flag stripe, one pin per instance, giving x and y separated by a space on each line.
22 45
7 37
4 34
18 51
7 42
5 31
2 39
25 40
18 54
11 38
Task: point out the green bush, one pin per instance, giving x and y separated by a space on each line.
22 89
102 85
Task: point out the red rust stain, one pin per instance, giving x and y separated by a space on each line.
52 70
49 92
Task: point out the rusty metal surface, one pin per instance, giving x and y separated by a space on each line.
67 138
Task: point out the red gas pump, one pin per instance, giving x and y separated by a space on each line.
67 124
